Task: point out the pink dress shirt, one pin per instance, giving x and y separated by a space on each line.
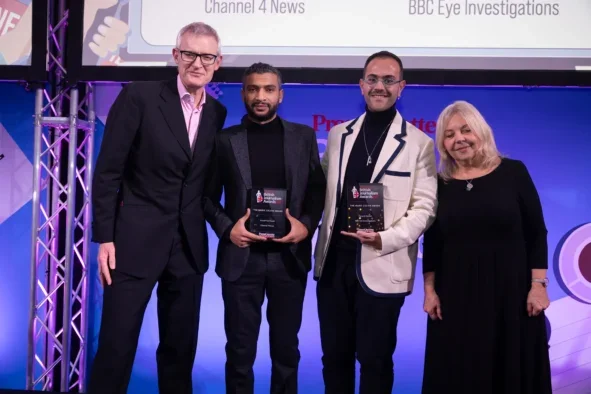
191 111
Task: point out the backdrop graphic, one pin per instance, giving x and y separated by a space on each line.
548 129
143 32
16 22
16 184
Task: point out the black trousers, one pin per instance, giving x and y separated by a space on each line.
124 304
271 274
355 324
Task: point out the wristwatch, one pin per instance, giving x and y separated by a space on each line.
544 281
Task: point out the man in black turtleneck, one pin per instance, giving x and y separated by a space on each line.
264 151
372 134
363 277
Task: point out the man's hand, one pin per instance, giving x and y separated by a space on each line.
370 238
298 232
240 236
106 259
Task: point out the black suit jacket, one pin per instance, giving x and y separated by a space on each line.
306 185
147 183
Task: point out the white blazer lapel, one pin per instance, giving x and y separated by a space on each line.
347 140
392 146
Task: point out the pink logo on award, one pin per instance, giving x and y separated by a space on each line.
355 192
259 197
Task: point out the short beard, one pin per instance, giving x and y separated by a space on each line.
260 118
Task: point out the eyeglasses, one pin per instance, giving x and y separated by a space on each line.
206 58
387 81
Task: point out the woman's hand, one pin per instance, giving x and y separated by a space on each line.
432 305
537 299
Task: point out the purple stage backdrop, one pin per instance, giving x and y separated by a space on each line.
548 129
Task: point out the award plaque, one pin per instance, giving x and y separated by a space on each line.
267 212
365 207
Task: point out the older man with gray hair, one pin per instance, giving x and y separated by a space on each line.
148 216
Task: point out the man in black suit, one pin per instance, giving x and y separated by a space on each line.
148 215
264 151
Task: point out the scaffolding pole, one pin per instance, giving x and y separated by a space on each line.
60 231
50 349
86 221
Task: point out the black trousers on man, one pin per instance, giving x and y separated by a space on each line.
355 323
124 304
273 274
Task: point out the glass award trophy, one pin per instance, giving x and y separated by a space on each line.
365 207
267 212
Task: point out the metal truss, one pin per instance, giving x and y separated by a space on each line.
63 151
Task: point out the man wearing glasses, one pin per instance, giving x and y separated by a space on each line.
364 276
148 216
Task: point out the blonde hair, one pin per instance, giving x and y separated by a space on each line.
487 152
199 29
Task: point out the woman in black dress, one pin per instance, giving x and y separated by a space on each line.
484 264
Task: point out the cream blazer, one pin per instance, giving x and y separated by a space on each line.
406 168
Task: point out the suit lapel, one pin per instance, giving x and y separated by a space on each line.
347 140
392 146
207 124
292 153
173 114
239 144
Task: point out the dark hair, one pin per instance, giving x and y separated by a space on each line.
261 68
384 55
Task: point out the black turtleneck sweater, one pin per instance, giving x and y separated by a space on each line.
357 170
265 149
267 164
